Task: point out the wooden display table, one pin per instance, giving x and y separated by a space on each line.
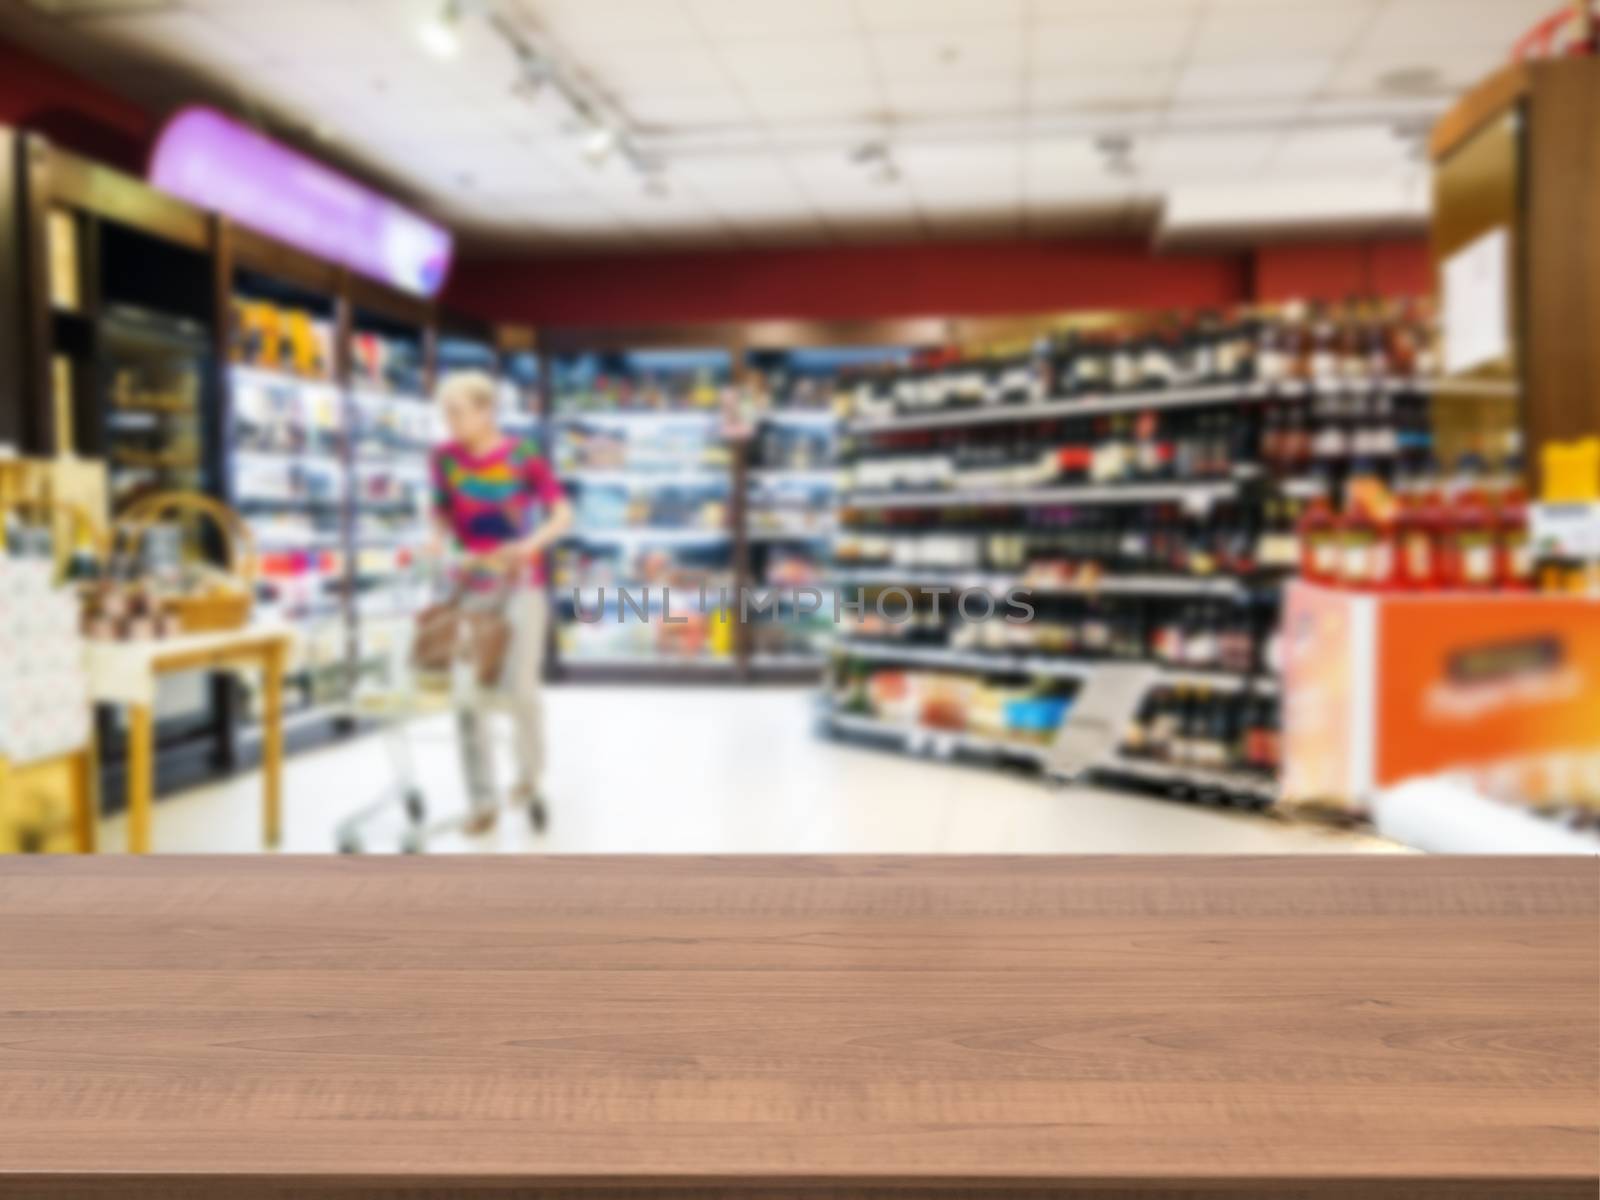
126 673
845 1027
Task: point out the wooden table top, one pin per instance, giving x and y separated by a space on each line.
785 1027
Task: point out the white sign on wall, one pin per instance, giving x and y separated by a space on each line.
1477 303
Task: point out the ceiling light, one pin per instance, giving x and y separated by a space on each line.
441 36
598 143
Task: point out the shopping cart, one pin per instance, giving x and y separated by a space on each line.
393 694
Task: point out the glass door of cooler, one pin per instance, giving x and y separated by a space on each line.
791 483
646 581
394 426
289 482
286 445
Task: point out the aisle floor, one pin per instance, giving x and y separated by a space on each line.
725 771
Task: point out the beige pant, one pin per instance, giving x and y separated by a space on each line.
519 693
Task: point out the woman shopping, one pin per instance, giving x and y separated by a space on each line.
496 498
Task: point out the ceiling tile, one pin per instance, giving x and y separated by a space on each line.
843 101
1403 73
667 111
1353 150
886 15
1091 89
1102 42
1175 157
775 64
1055 12
1429 23
1229 35
682 66
584 25
996 96
929 55
1287 81
772 18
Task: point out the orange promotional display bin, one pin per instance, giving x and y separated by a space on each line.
1500 688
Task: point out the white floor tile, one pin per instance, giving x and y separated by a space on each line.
723 771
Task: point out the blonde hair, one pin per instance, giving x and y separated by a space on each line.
475 387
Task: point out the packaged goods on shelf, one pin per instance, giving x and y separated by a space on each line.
1149 487
282 338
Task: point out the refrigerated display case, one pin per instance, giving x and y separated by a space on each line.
638 442
791 477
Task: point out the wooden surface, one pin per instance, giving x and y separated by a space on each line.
1562 231
786 1027
263 651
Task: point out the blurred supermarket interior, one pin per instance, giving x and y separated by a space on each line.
1252 347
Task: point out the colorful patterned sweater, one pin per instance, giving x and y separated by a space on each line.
489 499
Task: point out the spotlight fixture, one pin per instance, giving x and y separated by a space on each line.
1118 151
598 143
875 159
441 34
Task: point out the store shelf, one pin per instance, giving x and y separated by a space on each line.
1043 666
988 661
1195 494
655 537
1190 778
775 477
791 535
816 418
652 664
1066 408
1127 585
939 742
267 377
628 418
643 477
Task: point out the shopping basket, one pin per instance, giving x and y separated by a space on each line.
392 693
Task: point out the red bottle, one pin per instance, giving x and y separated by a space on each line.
1418 536
1469 560
1513 545
1319 543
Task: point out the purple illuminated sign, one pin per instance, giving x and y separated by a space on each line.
217 163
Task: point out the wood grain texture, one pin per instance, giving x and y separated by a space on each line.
795 1027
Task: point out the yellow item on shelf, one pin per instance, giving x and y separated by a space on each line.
1572 472
46 806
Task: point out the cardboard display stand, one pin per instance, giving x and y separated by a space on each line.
1501 687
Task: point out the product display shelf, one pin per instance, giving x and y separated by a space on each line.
289 481
1155 399
1236 481
637 442
1197 493
936 743
792 485
1001 662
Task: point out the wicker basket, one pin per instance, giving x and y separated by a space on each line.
82 521
221 608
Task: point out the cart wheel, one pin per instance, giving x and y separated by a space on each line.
349 843
538 816
416 807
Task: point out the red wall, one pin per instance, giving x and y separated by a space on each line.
72 111
968 279
1332 270
914 279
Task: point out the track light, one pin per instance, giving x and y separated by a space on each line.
598 144
441 35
